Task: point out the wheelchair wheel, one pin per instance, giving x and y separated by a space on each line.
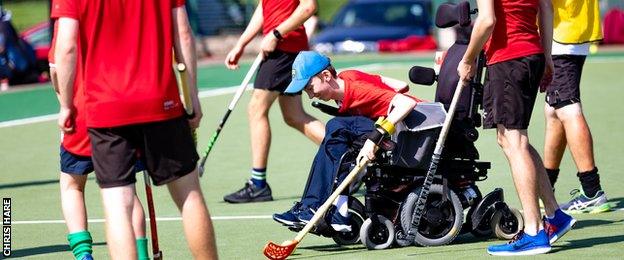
442 220
377 234
506 226
357 219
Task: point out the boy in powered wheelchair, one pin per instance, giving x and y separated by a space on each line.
405 133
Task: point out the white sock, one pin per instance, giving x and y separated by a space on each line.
342 204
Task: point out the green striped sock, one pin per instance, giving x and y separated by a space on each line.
141 244
80 243
258 177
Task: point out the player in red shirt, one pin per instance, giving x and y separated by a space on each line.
518 54
76 164
132 106
281 23
364 97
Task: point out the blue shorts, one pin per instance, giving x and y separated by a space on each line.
75 164
83 165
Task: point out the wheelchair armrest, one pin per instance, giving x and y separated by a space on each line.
327 109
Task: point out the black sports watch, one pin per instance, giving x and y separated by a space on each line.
277 34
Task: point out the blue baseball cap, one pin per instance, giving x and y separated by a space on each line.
306 65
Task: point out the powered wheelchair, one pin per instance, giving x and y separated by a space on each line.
394 180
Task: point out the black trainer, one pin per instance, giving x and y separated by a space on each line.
250 193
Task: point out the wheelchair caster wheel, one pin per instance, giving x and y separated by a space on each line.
351 237
507 223
377 234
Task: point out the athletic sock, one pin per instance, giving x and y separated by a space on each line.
590 181
258 177
558 212
141 244
553 174
80 243
342 204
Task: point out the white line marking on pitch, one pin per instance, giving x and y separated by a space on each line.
163 219
232 89
166 219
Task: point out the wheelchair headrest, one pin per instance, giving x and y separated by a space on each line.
421 75
449 14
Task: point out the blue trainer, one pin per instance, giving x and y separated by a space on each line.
289 218
560 224
523 244
338 222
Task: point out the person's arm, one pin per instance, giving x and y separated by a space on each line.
481 32
184 46
545 22
396 84
310 25
253 28
65 57
304 10
401 105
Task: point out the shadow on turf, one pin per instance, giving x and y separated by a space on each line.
593 222
31 183
333 248
41 250
588 242
617 203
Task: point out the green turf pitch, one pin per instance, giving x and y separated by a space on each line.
29 165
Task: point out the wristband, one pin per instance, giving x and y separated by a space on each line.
375 136
386 125
277 34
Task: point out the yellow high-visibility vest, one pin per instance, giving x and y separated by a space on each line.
576 21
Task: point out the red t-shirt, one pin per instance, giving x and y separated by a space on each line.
515 33
274 13
76 142
126 49
366 95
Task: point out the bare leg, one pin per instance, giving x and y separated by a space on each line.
72 201
138 218
545 189
515 144
187 195
555 139
259 128
118 204
296 117
578 136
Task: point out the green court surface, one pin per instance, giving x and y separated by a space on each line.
29 175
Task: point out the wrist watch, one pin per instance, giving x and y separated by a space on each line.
277 34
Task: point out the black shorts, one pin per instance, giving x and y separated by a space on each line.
565 87
166 148
510 90
82 165
275 72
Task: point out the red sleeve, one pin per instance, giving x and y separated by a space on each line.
65 8
178 3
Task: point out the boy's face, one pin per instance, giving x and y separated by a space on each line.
319 86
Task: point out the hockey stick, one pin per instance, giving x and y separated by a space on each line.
156 253
180 68
237 96
433 167
275 251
